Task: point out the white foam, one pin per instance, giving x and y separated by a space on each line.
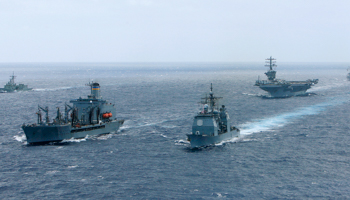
232 140
328 86
20 138
181 142
268 124
256 95
52 89
75 140
105 137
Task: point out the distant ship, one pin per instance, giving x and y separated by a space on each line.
210 125
11 86
278 88
348 76
88 116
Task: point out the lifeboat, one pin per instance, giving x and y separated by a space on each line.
107 115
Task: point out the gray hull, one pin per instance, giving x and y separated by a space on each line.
286 90
56 133
206 140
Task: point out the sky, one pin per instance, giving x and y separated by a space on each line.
174 30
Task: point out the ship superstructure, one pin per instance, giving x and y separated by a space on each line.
87 116
281 88
11 86
212 124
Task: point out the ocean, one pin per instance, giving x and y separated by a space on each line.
289 148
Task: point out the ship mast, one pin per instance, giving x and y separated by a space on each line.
270 62
211 99
271 74
12 80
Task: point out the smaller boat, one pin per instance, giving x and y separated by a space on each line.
11 86
211 125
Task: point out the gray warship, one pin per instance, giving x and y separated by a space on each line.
211 125
278 88
87 116
11 86
348 76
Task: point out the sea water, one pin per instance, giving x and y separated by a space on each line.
289 148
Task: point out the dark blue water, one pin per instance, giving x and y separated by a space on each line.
293 148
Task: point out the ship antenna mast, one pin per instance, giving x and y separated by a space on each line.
12 80
270 62
211 99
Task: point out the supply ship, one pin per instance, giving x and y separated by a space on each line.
11 86
211 125
87 116
279 88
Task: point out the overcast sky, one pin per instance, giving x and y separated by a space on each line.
174 30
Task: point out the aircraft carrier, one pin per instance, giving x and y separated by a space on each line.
278 88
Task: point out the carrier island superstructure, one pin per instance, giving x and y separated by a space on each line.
281 88
211 125
87 116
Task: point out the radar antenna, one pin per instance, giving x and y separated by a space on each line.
270 62
211 100
12 80
271 74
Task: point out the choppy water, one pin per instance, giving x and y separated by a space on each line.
293 148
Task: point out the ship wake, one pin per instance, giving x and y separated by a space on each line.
52 89
275 122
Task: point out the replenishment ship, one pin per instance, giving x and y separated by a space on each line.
87 116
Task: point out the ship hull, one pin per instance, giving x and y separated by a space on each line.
285 90
205 140
57 133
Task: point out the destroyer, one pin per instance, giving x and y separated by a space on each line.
211 126
348 76
11 86
88 116
281 88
